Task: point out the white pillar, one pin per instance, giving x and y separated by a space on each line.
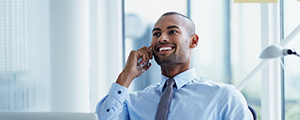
271 85
106 46
70 55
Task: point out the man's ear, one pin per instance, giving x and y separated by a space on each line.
194 41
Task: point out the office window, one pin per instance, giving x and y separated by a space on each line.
24 55
291 72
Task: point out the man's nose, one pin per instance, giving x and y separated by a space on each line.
163 38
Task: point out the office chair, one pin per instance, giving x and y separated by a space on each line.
253 112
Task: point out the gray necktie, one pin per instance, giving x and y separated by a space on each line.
165 100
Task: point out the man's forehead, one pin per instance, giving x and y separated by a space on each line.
170 20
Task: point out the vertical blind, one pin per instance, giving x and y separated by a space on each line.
24 55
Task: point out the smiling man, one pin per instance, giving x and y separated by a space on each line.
181 94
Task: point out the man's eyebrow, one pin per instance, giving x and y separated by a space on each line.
156 29
169 27
174 26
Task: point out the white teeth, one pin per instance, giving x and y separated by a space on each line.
165 48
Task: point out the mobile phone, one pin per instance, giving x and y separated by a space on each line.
148 63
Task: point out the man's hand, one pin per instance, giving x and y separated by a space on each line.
135 66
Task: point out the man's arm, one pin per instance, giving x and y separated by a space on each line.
134 67
113 105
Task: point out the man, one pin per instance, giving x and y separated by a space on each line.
189 97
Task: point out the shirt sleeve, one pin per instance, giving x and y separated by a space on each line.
233 106
112 106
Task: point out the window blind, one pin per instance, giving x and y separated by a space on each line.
24 55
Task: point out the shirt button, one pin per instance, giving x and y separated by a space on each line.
107 110
119 92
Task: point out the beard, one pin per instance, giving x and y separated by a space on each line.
172 59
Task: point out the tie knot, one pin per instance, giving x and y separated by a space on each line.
170 82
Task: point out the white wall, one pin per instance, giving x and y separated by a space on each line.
69 56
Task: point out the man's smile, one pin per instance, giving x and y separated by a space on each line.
163 48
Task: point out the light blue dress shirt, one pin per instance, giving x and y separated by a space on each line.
194 98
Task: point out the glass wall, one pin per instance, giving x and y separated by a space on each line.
292 70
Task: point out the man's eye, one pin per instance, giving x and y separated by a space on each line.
156 34
172 32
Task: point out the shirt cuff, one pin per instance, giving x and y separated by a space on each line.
118 92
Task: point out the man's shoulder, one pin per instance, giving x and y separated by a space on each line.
207 82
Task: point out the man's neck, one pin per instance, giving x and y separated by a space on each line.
173 70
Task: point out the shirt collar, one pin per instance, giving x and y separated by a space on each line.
180 79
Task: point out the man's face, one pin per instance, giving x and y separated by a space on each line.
171 41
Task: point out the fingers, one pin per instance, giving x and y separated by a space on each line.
145 54
137 62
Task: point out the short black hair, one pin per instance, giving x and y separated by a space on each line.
191 25
175 13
